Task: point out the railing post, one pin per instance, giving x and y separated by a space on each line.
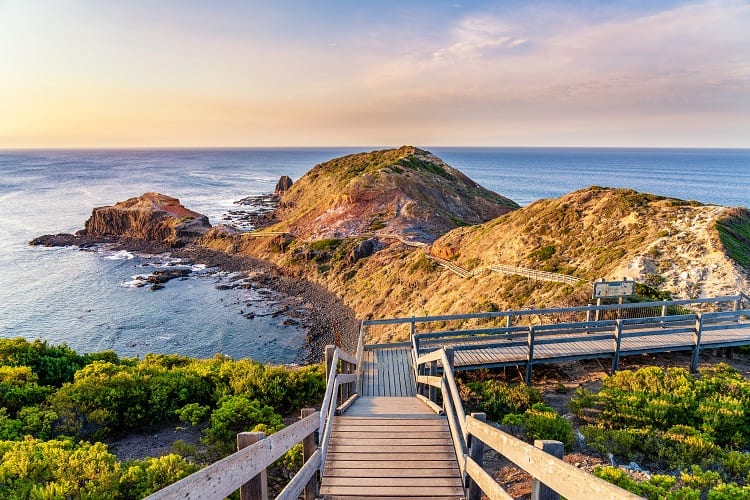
530 359
588 314
618 340
329 352
431 389
476 453
538 490
697 342
450 356
330 349
509 321
597 316
346 367
308 448
257 487
412 328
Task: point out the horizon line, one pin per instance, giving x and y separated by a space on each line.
376 147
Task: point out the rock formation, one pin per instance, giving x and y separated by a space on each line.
285 184
405 192
152 216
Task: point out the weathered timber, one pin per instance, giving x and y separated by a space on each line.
562 477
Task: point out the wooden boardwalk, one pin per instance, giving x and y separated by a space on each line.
513 350
388 371
391 447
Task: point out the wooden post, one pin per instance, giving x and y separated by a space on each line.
697 342
588 314
538 490
257 487
476 453
432 390
618 339
346 367
451 357
530 359
598 312
619 309
329 352
412 328
308 448
330 349
509 321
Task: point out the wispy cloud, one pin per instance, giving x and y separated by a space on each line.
475 36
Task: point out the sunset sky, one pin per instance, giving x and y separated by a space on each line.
96 73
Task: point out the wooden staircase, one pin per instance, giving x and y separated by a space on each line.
388 443
391 447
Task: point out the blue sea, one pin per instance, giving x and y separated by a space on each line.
88 299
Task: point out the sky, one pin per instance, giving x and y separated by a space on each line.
283 73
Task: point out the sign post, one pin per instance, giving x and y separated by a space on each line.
612 289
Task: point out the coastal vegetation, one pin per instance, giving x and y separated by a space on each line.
58 407
693 429
678 435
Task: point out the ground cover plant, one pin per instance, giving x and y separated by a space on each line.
56 406
693 429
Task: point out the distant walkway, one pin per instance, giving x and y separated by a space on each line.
503 269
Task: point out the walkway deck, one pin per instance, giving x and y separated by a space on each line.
477 352
391 447
388 371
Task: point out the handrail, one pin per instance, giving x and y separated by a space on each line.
330 400
554 310
360 355
221 478
330 390
468 432
227 475
536 275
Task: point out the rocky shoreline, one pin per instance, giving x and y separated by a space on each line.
325 317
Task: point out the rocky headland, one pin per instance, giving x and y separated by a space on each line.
354 237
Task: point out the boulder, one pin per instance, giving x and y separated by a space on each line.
362 250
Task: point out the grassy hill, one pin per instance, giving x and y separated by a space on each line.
407 191
673 247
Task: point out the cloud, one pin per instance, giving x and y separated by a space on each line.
477 35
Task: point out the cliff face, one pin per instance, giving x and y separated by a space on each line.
152 216
405 192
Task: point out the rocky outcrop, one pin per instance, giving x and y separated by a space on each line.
285 184
407 192
152 216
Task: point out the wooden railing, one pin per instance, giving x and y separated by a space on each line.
246 469
503 269
514 318
534 274
471 434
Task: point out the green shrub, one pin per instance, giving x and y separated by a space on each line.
140 478
497 399
193 413
325 245
57 469
543 422
237 414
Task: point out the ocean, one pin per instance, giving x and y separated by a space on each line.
90 301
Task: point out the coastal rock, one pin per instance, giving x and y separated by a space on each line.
152 216
363 250
285 184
